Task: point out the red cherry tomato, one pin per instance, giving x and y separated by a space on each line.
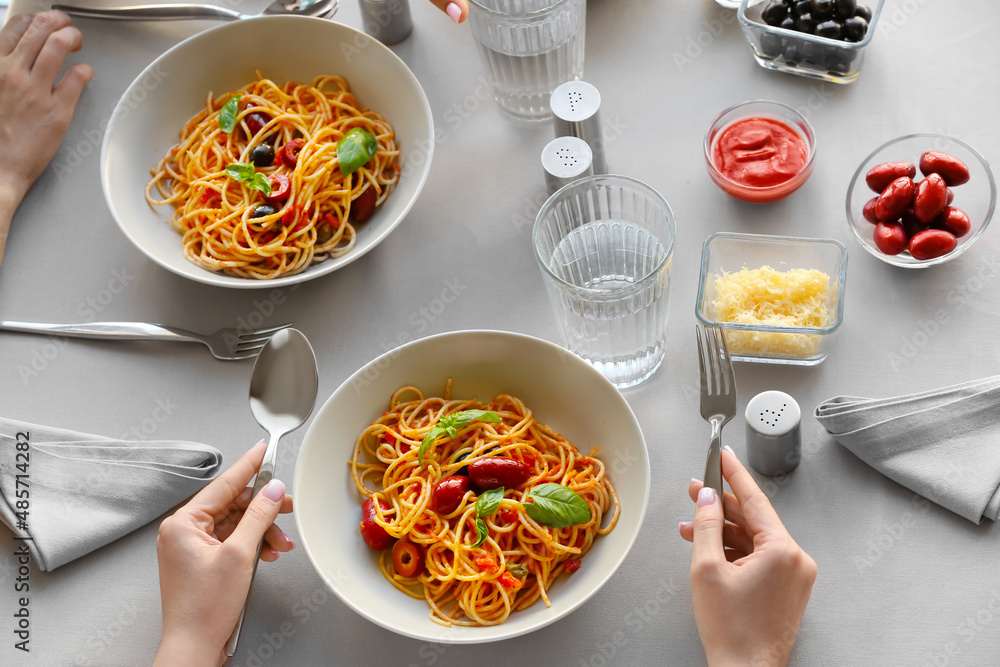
953 220
363 205
494 472
448 493
911 225
256 122
896 198
880 176
407 558
373 534
932 243
890 238
930 198
951 197
869 211
280 188
952 170
290 152
572 565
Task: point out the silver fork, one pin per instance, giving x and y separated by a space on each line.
225 344
718 395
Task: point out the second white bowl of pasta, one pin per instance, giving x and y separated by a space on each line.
267 167
519 494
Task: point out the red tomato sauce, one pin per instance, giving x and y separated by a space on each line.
760 152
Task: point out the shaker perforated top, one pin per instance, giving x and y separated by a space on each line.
565 159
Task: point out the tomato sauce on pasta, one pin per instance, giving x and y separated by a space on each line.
221 220
518 561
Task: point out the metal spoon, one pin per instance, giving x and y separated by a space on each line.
168 12
282 394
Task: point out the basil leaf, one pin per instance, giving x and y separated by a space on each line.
259 182
482 532
227 117
451 424
517 570
557 506
489 502
355 149
240 172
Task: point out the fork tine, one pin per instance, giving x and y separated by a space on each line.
701 360
713 346
242 349
254 340
727 369
265 332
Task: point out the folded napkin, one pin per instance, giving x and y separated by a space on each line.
943 444
81 491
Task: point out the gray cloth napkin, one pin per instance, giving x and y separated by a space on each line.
83 491
943 444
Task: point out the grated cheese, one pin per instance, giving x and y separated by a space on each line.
794 298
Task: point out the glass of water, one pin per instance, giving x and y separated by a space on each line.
605 245
528 48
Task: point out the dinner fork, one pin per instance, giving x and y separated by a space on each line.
718 395
226 344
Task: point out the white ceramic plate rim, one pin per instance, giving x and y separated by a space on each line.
205 276
502 631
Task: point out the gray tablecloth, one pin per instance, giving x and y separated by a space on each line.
902 582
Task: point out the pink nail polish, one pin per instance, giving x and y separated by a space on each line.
274 490
684 524
729 449
274 553
706 496
695 480
454 12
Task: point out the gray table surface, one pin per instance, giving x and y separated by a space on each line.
900 583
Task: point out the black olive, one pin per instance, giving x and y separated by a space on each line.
844 9
262 155
807 24
260 210
864 13
802 7
770 44
829 29
791 54
775 13
855 29
822 9
788 23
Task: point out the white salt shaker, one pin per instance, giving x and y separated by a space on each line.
774 441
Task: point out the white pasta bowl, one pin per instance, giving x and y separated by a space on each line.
148 119
563 391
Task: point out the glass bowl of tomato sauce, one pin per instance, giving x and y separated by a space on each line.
760 151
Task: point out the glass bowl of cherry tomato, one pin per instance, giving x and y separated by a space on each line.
921 200
760 151
822 39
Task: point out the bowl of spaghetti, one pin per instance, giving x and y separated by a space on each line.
471 487
267 166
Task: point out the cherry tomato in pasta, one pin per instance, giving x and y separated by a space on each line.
448 493
407 558
290 152
373 534
572 565
494 472
363 207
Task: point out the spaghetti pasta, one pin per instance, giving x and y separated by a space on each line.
520 558
231 227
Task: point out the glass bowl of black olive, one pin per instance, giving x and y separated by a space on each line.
822 39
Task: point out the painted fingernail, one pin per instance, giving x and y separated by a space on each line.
260 442
695 480
287 538
274 553
729 449
706 496
274 490
454 12
684 524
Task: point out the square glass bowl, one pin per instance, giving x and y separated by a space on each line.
802 53
726 252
